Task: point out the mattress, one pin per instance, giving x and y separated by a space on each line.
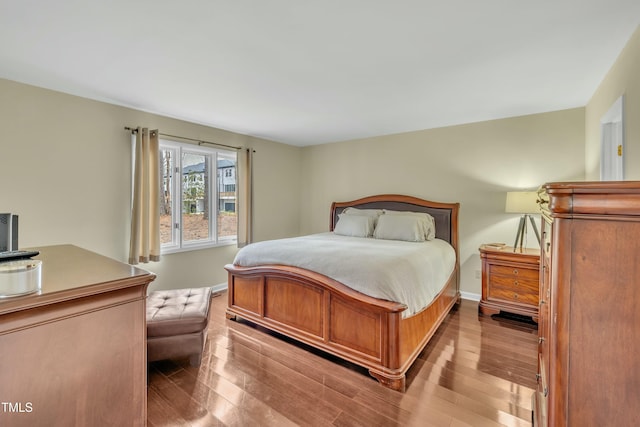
411 273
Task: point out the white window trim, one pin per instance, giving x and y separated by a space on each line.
177 200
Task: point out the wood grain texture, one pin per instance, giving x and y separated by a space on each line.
475 371
588 357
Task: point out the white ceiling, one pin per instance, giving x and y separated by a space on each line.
310 72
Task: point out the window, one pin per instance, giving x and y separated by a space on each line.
198 196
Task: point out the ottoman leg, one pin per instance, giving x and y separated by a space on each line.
195 359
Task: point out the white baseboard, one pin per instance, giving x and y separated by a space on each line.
219 287
470 296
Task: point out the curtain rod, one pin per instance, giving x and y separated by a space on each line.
199 141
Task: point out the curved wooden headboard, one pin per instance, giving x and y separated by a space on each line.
445 214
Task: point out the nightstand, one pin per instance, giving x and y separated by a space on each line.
510 281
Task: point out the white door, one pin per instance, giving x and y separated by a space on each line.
612 143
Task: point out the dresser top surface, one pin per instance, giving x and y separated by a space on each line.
70 272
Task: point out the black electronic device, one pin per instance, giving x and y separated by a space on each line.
14 255
8 232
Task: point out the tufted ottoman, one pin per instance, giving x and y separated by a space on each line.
177 324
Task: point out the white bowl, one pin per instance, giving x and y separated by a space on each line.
20 277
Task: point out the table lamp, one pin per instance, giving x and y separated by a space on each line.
523 202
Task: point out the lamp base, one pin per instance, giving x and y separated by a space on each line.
522 232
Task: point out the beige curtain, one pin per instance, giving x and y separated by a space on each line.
145 213
245 196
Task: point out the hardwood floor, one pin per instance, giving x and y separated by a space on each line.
476 371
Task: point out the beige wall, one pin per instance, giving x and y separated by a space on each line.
622 79
474 164
65 166
67 160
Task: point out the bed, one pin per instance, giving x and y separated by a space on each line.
324 313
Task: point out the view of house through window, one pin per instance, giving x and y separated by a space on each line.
198 196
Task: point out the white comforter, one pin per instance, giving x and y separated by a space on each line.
412 273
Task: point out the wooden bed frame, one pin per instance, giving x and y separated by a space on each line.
330 316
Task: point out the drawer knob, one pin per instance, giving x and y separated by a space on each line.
515 296
515 271
515 282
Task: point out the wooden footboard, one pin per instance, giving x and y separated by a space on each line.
328 315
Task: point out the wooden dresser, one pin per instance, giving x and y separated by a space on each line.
509 281
589 330
75 352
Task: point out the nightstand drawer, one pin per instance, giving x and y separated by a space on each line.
515 272
523 295
515 283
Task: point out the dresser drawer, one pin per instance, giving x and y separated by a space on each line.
547 230
540 397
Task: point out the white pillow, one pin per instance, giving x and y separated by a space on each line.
429 225
374 213
401 227
367 212
354 225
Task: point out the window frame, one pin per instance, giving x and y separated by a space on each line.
177 200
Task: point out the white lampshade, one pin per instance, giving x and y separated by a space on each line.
522 202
